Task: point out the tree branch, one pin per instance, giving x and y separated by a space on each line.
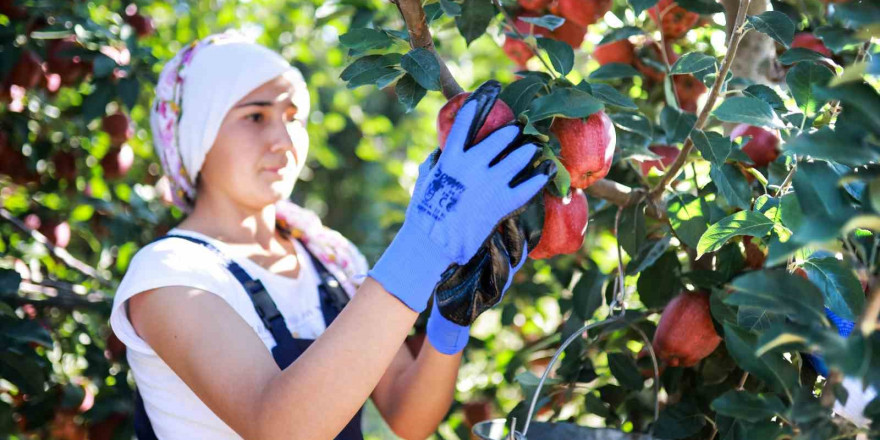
61 253
420 37
735 39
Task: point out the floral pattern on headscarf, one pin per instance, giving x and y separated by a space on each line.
337 253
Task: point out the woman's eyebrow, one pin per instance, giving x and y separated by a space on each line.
285 97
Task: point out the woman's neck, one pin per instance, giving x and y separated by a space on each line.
233 224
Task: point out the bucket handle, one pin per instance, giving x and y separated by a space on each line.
575 335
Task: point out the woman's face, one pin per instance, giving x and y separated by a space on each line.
261 146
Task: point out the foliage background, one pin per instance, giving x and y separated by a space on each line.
364 152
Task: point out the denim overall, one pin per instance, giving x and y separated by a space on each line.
287 348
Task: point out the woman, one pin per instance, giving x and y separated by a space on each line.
215 313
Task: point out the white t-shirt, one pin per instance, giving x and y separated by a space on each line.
174 410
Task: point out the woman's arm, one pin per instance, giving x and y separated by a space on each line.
414 395
218 355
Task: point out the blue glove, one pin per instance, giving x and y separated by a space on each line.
458 201
450 338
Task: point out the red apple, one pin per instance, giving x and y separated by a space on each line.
117 161
499 116
685 334
587 147
63 61
676 20
807 40
57 232
620 51
583 12
571 33
565 225
118 126
518 51
755 256
688 89
65 165
763 148
533 5
142 25
667 154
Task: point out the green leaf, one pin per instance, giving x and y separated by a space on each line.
22 371
9 282
767 95
624 369
827 207
757 319
701 6
713 146
687 218
27 331
633 122
747 110
424 68
566 102
741 223
732 185
95 104
677 124
827 144
859 98
679 421
450 8
770 368
641 5
802 80
366 39
842 290
549 21
748 406
614 71
648 254
693 62
610 95
798 54
780 292
102 66
519 94
370 69
474 19
836 37
620 34
433 11
409 92
587 294
775 24
128 90
560 53
660 282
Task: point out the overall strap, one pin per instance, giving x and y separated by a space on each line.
332 294
263 303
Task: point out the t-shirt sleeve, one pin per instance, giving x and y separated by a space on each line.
169 262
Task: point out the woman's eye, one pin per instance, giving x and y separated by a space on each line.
256 117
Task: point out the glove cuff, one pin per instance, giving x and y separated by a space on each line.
446 336
410 267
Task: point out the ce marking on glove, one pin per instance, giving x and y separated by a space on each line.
441 195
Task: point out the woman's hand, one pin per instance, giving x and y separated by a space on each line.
459 200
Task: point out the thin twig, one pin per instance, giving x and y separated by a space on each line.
735 39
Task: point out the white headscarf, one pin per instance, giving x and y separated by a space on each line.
195 91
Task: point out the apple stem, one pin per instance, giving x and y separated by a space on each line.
735 39
420 37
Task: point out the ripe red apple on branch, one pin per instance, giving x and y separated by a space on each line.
499 116
763 148
519 52
565 225
688 89
117 161
587 147
581 12
118 126
649 60
27 72
675 21
807 40
620 51
685 334
63 61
